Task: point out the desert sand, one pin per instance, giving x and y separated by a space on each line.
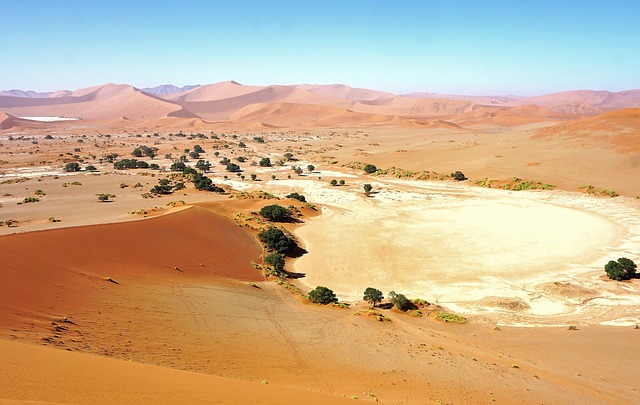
162 298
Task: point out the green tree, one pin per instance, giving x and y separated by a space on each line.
178 166
276 260
373 296
203 166
458 176
322 295
198 149
232 167
287 156
400 301
275 212
334 182
265 162
369 168
91 168
276 240
311 168
367 188
297 196
623 269
103 197
72 167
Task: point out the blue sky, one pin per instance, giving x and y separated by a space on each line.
462 47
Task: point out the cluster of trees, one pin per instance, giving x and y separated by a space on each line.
145 151
335 182
296 196
622 269
130 164
275 239
72 167
275 212
324 295
165 187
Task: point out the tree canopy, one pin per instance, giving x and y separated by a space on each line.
276 240
322 295
373 296
623 269
275 212
369 168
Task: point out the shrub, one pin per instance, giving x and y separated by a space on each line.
276 260
458 176
334 182
232 167
198 149
30 200
322 295
311 168
296 196
265 162
449 317
276 240
369 168
72 167
373 296
367 188
400 301
254 176
103 197
623 269
275 212
91 168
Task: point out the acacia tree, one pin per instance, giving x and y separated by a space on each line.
367 189
400 301
623 269
373 296
275 212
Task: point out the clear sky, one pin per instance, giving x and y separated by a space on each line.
463 47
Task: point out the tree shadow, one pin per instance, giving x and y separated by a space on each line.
296 252
294 275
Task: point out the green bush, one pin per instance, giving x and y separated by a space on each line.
623 269
322 295
296 196
369 168
276 240
458 176
72 167
275 212
400 301
276 260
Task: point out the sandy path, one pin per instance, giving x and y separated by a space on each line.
474 250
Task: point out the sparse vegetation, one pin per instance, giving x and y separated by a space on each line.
449 317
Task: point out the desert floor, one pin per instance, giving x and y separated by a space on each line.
148 298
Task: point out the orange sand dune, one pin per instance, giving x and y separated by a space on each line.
413 107
64 268
212 92
345 92
586 102
101 102
510 116
617 129
31 373
285 113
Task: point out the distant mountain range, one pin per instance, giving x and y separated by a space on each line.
308 104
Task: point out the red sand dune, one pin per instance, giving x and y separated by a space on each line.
44 271
212 92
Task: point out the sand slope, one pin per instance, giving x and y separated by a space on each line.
31 373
